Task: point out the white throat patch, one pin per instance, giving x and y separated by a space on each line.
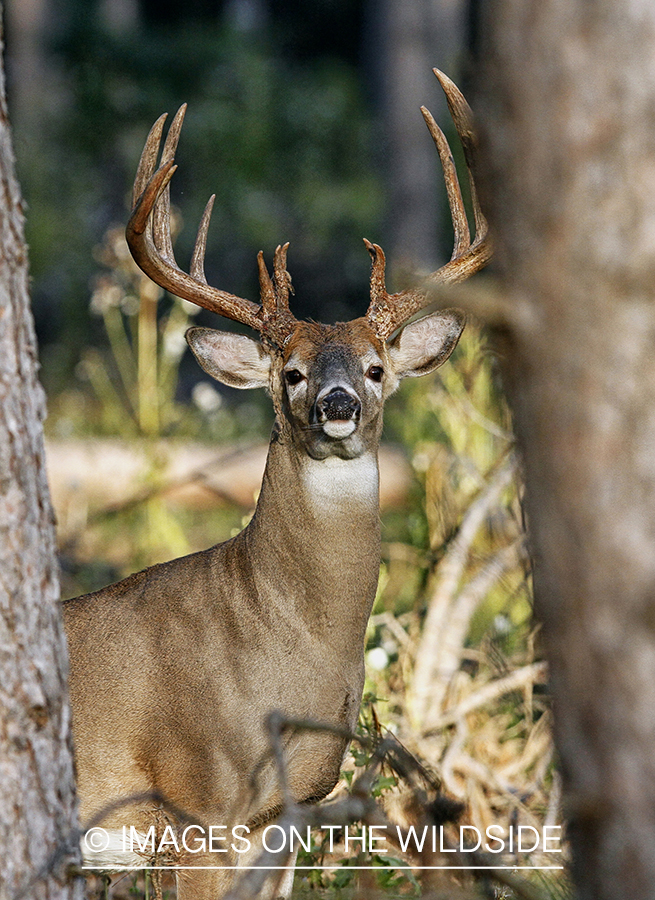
341 482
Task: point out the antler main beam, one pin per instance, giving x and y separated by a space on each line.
149 238
387 312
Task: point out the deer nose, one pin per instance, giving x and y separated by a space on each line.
338 404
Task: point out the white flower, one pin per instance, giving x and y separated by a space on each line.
377 658
206 397
106 294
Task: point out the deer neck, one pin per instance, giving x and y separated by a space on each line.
315 536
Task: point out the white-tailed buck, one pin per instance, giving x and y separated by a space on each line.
174 669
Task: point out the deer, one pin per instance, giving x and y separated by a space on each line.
174 670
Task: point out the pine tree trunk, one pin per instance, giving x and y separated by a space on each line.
567 104
37 794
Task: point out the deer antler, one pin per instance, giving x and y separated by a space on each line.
387 312
149 238
148 235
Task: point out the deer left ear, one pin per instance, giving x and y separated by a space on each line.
423 346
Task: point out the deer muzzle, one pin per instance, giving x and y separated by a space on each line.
338 411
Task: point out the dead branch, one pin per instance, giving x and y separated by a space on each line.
535 673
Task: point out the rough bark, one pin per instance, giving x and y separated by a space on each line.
567 105
37 797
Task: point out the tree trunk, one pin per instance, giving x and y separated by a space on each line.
411 38
38 816
567 105
25 59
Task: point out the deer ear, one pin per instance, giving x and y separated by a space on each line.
232 359
422 346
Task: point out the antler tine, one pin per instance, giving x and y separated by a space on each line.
140 220
148 160
161 219
379 294
388 312
266 289
463 119
277 316
281 277
197 269
149 240
455 202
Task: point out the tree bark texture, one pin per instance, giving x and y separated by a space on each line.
567 109
37 796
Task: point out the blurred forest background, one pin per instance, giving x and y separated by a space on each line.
304 120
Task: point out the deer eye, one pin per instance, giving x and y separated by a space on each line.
375 373
293 376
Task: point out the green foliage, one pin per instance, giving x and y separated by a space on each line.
131 389
454 427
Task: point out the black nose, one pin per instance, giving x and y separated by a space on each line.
339 404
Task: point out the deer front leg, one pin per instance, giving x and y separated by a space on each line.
207 880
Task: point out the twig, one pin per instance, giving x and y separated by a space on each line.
535 673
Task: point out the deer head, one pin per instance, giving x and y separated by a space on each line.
328 383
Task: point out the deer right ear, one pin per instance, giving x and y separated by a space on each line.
232 359
424 345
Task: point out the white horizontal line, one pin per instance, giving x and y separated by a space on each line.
326 868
